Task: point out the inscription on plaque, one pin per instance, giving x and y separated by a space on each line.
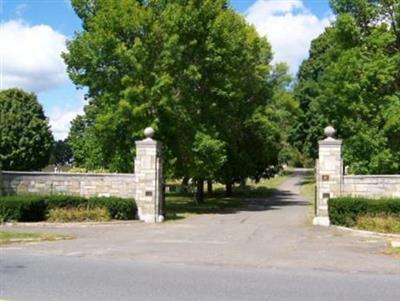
149 193
325 178
326 195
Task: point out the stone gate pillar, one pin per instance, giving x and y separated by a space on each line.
148 176
329 175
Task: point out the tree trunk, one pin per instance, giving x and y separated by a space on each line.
228 188
185 183
209 186
200 192
243 183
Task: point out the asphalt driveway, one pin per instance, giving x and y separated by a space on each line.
273 233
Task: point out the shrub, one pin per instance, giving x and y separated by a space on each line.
78 215
30 208
65 201
122 209
22 208
345 210
84 170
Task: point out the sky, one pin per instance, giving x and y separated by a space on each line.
33 34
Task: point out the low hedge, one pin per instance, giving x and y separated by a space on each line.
345 210
33 208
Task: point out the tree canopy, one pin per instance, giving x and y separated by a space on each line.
192 69
25 137
61 154
352 81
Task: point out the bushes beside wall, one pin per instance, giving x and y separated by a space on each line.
346 210
65 215
31 208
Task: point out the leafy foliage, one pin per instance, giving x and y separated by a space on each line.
31 208
194 70
283 109
20 208
345 210
352 81
25 138
62 153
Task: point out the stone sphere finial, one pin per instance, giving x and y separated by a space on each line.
149 132
330 132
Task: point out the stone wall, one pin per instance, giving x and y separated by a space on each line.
331 181
145 186
87 185
373 186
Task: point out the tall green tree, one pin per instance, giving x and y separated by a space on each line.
283 110
192 69
25 137
62 153
352 81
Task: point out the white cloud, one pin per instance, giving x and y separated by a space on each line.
30 59
60 122
289 26
30 56
61 116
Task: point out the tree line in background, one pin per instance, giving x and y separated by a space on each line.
202 77
352 81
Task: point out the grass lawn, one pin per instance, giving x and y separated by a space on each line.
393 251
308 191
380 223
180 205
9 237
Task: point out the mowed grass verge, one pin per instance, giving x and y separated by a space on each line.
382 223
394 251
308 191
11 237
180 205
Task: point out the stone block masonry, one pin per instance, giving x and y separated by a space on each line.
149 179
329 175
145 186
331 181
373 186
80 184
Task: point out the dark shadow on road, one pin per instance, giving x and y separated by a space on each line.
281 198
261 199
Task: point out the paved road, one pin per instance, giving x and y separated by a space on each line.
270 244
38 278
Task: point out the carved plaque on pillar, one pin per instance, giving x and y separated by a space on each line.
149 193
326 195
325 178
